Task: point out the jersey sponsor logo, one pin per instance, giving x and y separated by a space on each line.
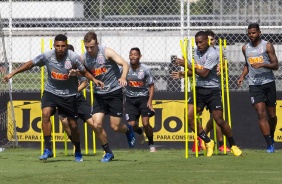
141 75
253 60
68 65
99 71
136 83
59 76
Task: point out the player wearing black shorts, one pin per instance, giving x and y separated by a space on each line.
139 96
261 60
60 89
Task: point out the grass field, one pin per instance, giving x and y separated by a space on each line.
140 166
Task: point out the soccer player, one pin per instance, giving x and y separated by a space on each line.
208 92
60 89
260 62
139 95
84 109
103 62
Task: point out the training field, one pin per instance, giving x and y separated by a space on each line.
140 166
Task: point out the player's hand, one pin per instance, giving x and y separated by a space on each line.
257 65
240 82
179 61
98 83
122 82
176 75
73 72
7 77
150 106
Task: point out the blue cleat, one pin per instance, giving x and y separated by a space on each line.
78 157
130 137
270 149
108 157
47 154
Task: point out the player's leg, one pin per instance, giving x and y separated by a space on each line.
48 109
66 126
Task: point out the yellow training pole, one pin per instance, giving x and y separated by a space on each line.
222 88
53 117
41 94
85 129
227 83
183 47
194 97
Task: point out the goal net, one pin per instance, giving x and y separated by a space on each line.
8 135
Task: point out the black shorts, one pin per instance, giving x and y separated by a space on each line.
136 106
67 106
263 93
110 103
210 97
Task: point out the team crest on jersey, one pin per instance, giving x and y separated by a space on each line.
100 59
68 65
140 75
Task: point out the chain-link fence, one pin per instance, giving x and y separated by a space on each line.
155 26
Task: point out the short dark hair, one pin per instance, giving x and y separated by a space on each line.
201 33
91 35
254 25
70 47
137 49
61 37
210 33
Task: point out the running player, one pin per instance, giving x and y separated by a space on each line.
103 62
139 95
261 60
60 89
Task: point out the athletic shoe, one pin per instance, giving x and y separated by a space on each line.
272 141
270 149
153 149
78 157
130 137
221 148
108 157
210 147
236 150
46 154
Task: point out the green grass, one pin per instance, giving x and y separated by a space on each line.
140 166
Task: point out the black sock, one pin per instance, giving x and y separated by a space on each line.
70 137
106 148
150 140
204 137
272 134
268 140
139 131
220 143
47 142
231 141
77 147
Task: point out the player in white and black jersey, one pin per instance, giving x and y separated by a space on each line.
261 60
103 63
139 95
60 89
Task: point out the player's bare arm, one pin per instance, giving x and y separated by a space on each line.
151 94
82 85
28 65
86 74
203 72
111 54
245 69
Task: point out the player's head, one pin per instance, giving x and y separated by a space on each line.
70 47
91 43
201 39
134 55
254 32
211 36
60 45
